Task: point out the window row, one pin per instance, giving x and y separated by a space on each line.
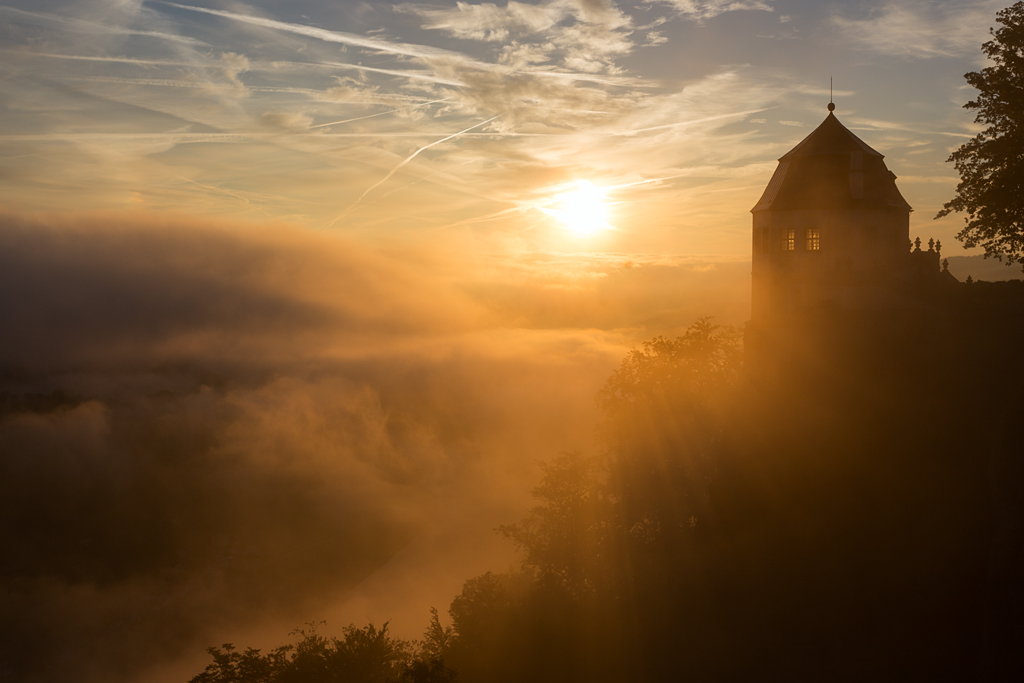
788 242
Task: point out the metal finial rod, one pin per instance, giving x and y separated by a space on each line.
831 104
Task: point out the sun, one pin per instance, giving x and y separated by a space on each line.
582 210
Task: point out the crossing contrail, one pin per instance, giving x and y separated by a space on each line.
370 116
403 163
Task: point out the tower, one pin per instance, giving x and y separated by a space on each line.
831 232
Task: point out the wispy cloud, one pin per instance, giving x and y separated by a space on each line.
401 73
580 35
921 30
706 9
369 43
488 21
91 27
297 125
861 123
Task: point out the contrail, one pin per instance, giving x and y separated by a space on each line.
323 34
403 163
123 60
687 123
420 75
382 113
479 219
642 182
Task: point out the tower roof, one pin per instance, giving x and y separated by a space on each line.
831 137
832 169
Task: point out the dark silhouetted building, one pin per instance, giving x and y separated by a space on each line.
833 231
861 342
833 262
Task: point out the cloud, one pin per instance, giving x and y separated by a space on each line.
211 147
706 9
656 38
208 428
173 296
375 44
402 73
488 21
579 35
143 520
645 291
550 53
287 121
229 134
118 22
234 66
921 30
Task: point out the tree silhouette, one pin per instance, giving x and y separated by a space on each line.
694 368
565 538
361 655
664 410
665 416
991 165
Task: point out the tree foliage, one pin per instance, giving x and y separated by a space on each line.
565 537
666 414
663 426
361 655
991 165
694 369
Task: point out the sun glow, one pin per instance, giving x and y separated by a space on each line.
582 210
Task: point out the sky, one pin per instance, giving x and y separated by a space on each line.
297 295
465 124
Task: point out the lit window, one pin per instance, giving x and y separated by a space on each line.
788 240
813 239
